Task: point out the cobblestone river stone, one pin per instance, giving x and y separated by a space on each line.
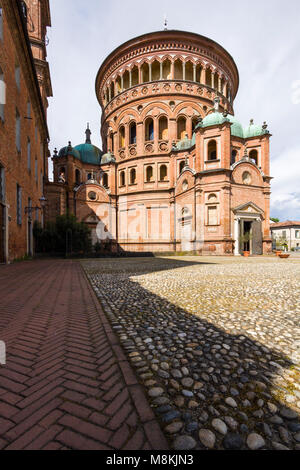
214 341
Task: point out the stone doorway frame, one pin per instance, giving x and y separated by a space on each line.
248 212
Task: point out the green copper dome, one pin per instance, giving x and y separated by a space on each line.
213 119
89 153
253 130
216 118
236 126
68 150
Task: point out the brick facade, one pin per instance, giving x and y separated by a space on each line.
23 146
184 175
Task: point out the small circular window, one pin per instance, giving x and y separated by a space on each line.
92 196
246 177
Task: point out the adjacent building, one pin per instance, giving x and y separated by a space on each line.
25 86
286 234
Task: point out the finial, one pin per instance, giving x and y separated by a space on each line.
88 134
55 152
174 145
251 122
165 23
69 145
264 126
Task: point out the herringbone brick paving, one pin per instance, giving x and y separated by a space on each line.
67 383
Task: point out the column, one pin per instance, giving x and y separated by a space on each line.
213 79
172 70
183 70
219 84
150 72
225 89
140 74
194 72
236 236
130 78
161 71
109 93
122 83
202 76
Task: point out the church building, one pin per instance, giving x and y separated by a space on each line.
178 171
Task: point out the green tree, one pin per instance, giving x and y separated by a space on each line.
275 219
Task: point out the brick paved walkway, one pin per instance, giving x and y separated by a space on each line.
67 383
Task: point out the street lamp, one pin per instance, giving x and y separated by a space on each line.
30 209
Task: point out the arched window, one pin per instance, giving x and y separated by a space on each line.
135 76
126 80
194 123
122 178
181 128
155 70
118 85
181 166
112 90
132 133
178 70
222 85
163 128
2 94
18 131
62 175
198 73
132 176
163 173
110 142
212 150
149 174
18 76
107 95
89 176
233 157
149 129
145 72
189 71
122 137
77 177
105 180
167 70
208 77
253 155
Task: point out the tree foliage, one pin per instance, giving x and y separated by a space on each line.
65 235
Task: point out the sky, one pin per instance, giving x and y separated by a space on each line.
263 36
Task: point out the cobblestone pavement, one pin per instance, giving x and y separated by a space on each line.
67 383
214 341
